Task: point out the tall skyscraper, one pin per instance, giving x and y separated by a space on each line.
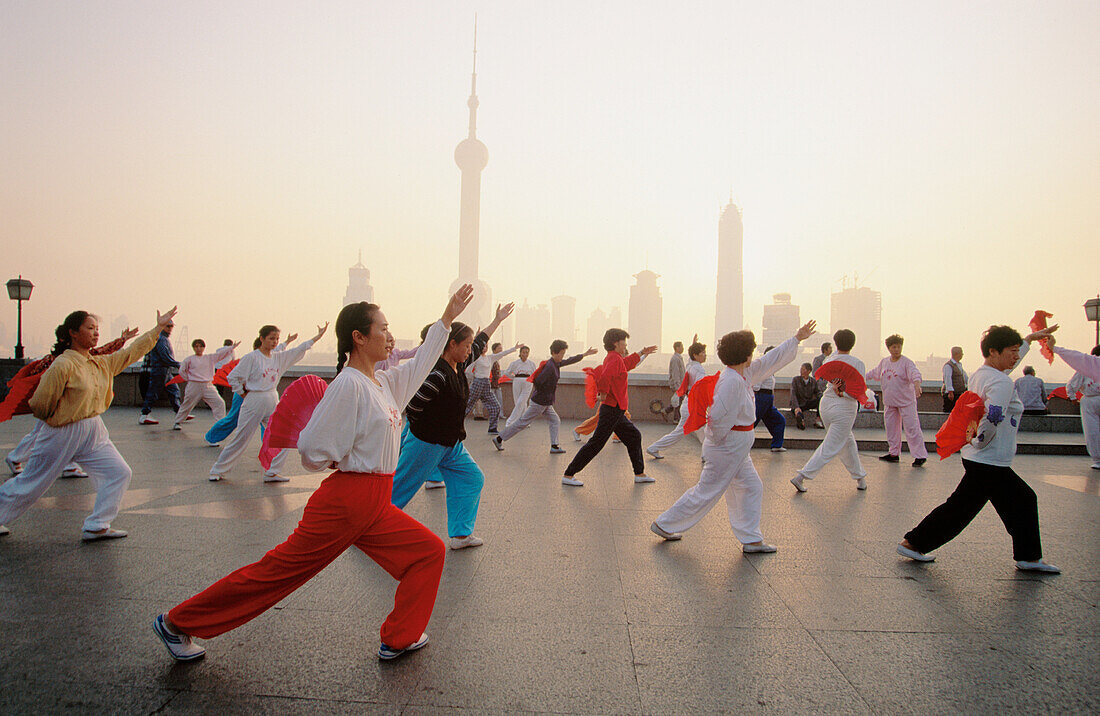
563 318
533 327
597 324
859 309
729 311
781 321
359 288
471 156
644 310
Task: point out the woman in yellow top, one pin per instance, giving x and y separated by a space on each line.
74 390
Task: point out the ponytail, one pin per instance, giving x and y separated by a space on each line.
353 317
73 322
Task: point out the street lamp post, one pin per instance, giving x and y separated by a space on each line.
19 289
1092 311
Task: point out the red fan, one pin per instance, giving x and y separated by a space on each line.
292 413
854 383
531 378
683 389
592 385
222 375
1039 322
960 425
1061 393
19 393
504 379
176 381
700 399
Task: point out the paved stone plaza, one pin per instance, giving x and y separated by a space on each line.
572 605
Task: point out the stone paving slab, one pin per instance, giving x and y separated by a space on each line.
572 605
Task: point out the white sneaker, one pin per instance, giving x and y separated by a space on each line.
1039 566
1096 466
214 478
73 472
779 449
176 426
275 477
498 443
555 450
4 531
109 533
861 483
566 480
797 482
146 420
670 536
576 436
643 478
15 468
434 484
464 542
210 444
655 454
915 555
179 645
385 653
762 548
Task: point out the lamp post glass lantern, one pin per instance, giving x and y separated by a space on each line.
19 289
1092 312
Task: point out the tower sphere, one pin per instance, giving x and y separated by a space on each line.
471 155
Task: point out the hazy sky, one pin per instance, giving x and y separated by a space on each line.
232 157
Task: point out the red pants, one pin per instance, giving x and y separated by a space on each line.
347 509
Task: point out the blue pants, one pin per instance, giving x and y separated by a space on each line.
773 419
420 461
157 380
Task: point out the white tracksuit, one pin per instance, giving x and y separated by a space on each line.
23 449
198 371
696 371
838 412
521 388
1090 411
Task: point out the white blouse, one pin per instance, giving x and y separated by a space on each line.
259 373
734 402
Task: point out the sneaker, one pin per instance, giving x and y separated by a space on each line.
643 478
15 468
109 533
819 425
556 450
498 443
919 462
214 478
1095 466
670 536
146 420
914 554
861 483
189 418
433 484
576 436
797 482
275 477
1039 566
73 472
889 458
761 548
655 454
566 480
4 531
177 426
779 449
800 422
385 653
179 646
467 541
210 444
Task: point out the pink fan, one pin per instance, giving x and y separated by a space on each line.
854 383
292 413
222 376
1037 323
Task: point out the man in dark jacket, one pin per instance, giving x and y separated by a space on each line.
157 363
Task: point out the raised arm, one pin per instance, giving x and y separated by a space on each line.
117 362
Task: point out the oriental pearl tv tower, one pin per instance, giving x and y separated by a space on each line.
471 156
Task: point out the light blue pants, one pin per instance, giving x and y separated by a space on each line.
420 461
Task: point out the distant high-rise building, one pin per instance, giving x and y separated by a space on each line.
729 309
645 310
597 324
533 327
359 288
563 318
471 156
859 309
781 321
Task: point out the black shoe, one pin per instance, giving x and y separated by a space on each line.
800 422
920 461
889 458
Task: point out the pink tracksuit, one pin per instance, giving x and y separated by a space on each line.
899 399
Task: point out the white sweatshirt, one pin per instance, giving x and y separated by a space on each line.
850 360
258 373
483 366
734 403
995 443
357 424
201 369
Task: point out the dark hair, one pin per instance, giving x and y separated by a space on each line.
1096 350
72 322
267 330
695 349
256 343
825 345
1028 370
613 336
353 317
677 344
198 341
845 339
227 342
808 366
736 348
558 345
997 338
496 346
894 339
459 332
424 331
769 348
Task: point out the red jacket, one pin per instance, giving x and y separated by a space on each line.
612 380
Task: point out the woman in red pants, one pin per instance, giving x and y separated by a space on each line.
356 428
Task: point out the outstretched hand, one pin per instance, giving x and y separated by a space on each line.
647 350
806 331
457 304
504 311
1047 333
129 333
164 319
320 332
291 338
591 352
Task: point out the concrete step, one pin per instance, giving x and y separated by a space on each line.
931 422
874 440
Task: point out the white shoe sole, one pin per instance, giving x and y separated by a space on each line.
915 555
572 482
642 479
798 484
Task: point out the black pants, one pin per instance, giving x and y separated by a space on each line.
1014 501
157 380
949 403
612 420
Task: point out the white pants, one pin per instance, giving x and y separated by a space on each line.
1090 423
533 411
205 392
728 470
839 415
255 411
521 396
677 432
23 450
86 441
897 418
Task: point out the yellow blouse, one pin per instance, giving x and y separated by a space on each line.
75 387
